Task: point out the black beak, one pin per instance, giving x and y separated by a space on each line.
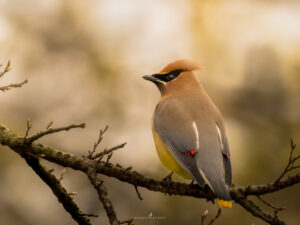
151 78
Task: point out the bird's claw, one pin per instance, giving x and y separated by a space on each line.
168 179
192 183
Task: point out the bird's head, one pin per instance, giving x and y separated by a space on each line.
176 77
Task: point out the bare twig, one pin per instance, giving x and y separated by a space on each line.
62 174
192 182
270 205
128 168
216 217
138 193
49 125
275 209
108 151
205 213
6 69
89 215
109 157
10 86
103 196
290 166
28 127
129 221
59 191
91 153
33 138
203 216
257 212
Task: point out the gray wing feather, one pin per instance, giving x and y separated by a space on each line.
227 164
178 144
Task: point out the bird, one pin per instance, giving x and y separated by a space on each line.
188 130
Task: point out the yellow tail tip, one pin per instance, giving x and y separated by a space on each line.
225 204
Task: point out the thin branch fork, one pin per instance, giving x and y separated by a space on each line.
96 144
6 69
33 138
257 212
275 209
104 152
108 151
28 125
292 159
10 86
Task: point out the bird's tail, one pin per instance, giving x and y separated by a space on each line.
223 197
217 185
210 176
224 203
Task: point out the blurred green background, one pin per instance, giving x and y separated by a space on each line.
84 61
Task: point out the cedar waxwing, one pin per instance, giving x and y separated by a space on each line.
188 130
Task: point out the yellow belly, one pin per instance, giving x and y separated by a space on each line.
166 158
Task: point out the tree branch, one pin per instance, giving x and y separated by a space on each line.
92 166
97 182
239 194
58 190
257 212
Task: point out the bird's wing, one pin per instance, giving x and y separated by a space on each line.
226 154
193 141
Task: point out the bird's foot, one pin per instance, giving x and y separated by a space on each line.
192 183
168 179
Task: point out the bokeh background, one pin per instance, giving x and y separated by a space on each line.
84 61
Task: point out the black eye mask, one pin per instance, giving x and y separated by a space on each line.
166 77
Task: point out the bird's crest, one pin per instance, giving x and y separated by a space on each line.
182 64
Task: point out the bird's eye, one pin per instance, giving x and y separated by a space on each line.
168 76
173 74
171 77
